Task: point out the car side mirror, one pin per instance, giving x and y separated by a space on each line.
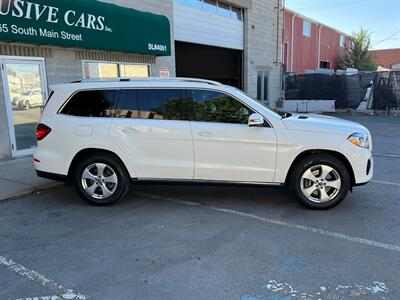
256 120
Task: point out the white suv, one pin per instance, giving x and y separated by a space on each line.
102 135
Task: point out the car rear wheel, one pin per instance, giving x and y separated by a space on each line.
101 179
320 181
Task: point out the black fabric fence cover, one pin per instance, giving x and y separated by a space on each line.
347 90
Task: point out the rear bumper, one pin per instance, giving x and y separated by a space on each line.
52 176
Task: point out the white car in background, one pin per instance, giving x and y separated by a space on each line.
102 135
29 99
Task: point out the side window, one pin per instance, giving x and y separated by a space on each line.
128 105
217 107
95 103
162 104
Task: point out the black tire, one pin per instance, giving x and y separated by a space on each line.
114 166
313 161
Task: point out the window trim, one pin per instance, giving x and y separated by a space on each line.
186 92
118 63
267 122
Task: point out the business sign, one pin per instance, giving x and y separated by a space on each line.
88 24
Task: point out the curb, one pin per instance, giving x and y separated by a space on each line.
30 191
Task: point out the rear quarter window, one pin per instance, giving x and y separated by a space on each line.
94 103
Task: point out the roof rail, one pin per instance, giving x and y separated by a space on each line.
144 79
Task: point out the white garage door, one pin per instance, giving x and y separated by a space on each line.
208 22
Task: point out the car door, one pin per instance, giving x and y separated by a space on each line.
153 131
226 148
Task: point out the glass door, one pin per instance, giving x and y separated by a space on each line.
25 90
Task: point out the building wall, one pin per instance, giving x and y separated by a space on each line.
263 45
387 57
322 45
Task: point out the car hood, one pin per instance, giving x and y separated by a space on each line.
321 123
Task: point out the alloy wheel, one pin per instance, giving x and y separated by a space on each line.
99 181
320 183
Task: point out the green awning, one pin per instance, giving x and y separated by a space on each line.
88 24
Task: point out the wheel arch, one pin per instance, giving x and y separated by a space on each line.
335 154
92 151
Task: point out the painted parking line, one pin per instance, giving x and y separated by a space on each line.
386 155
62 292
42 298
386 182
285 291
311 229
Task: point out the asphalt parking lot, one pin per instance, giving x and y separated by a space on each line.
204 242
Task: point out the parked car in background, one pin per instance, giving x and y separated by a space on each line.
29 99
102 135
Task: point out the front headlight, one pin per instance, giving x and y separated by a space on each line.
359 139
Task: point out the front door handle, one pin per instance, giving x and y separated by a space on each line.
205 133
130 130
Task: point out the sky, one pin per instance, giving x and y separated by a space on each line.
380 17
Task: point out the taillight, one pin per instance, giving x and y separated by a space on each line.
42 131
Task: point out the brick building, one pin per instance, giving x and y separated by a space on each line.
310 45
387 58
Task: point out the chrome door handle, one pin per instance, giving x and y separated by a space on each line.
205 133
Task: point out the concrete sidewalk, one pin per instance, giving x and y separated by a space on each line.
18 178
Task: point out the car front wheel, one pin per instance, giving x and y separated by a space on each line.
320 181
101 179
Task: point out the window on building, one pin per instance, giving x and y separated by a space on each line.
95 70
237 13
95 103
210 6
262 85
325 64
195 3
342 41
306 28
100 70
162 104
215 6
131 71
224 9
210 106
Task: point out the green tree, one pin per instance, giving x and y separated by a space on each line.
358 55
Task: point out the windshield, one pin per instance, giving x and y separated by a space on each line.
277 112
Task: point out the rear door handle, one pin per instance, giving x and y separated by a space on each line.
130 130
205 133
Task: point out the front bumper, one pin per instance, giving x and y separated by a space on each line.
363 167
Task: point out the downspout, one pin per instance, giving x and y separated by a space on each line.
277 31
319 45
292 46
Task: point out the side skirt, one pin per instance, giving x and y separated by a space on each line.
173 181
